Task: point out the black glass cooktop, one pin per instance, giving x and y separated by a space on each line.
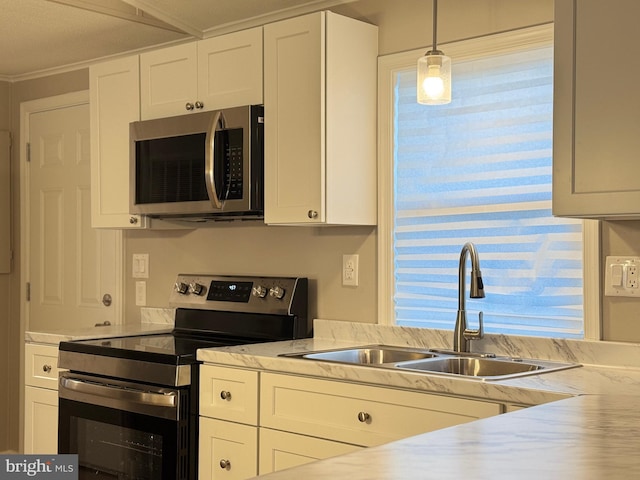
159 348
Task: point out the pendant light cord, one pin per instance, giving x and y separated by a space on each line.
435 25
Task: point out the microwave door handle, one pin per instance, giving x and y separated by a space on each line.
209 161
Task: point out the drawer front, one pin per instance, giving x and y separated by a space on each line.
359 414
229 394
280 450
41 366
227 450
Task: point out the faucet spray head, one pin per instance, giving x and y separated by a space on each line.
477 286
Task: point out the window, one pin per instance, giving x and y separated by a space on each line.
479 169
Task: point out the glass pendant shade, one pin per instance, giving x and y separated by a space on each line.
434 79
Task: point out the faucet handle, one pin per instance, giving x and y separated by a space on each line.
475 334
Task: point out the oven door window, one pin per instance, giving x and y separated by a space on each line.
114 444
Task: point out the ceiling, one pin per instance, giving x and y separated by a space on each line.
45 36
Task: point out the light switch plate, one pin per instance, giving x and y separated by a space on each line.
621 277
140 268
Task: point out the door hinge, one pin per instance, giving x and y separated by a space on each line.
28 151
28 291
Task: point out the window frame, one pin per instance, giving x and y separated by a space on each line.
388 67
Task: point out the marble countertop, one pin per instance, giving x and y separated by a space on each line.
587 437
152 320
592 432
54 337
526 390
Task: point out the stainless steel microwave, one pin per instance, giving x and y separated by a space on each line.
200 166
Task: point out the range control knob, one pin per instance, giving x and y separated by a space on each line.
259 291
277 292
181 287
196 288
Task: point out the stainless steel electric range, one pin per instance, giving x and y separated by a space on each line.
128 406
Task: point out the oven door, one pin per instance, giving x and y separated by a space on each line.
123 430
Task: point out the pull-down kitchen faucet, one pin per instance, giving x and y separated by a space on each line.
462 335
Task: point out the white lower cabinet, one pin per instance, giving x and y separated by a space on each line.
40 399
40 420
279 450
228 433
259 422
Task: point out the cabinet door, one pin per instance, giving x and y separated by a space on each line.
114 103
168 81
359 414
40 420
294 97
227 450
320 121
596 172
280 450
230 70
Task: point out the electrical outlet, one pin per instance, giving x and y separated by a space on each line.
350 270
632 276
141 293
621 276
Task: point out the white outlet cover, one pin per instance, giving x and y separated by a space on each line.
350 270
141 293
625 286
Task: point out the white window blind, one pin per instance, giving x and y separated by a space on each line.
479 169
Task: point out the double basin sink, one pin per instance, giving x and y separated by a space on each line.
485 367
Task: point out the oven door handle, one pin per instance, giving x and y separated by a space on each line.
143 397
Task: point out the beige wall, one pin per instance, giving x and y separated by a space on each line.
620 315
252 248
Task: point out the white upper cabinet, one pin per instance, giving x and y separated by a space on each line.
596 172
114 103
230 69
320 74
215 73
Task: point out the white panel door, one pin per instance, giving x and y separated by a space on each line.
71 266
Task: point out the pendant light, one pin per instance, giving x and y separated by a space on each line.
434 72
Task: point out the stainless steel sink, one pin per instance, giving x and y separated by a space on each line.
370 355
439 362
485 368
471 367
